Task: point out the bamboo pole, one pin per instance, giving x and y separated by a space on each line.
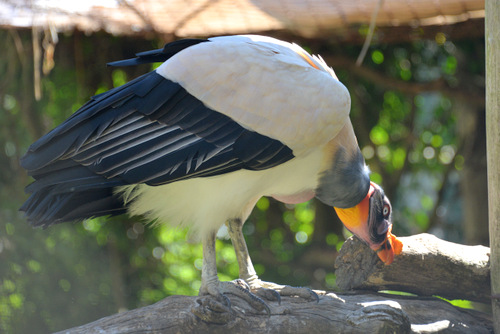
492 36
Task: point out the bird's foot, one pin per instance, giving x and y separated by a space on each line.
218 309
274 292
212 311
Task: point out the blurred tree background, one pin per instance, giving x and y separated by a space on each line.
418 112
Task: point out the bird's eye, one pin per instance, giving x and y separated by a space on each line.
387 210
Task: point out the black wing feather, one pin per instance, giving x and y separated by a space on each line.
149 130
159 55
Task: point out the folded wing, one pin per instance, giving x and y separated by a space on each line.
148 131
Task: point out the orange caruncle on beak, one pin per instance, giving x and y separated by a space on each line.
392 246
357 215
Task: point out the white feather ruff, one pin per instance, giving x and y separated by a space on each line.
204 204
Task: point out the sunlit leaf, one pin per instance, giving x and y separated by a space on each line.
379 136
119 77
377 57
398 158
16 300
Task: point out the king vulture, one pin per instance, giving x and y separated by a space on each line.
196 143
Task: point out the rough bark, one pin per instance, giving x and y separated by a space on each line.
335 313
427 266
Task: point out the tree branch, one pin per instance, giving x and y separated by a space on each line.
428 266
381 79
340 313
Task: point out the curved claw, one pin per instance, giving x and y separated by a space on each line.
238 288
243 291
241 283
225 300
314 295
269 294
212 311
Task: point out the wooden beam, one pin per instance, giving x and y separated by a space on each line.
492 36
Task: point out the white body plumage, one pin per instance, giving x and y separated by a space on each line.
267 86
199 140
204 204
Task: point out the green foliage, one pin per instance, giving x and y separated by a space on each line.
95 268
377 57
397 293
459 302
412 147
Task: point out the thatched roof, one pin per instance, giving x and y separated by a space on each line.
182 18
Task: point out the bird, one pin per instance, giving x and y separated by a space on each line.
222 122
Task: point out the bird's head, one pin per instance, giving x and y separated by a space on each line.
371 221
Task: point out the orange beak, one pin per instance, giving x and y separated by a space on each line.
392 246
355 220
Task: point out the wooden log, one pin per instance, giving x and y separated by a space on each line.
427 266
334 313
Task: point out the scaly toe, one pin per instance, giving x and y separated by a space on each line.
220 290
273 291
212 311
241 289
268 294
301 292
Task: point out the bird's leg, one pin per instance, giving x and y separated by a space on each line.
210 284
268 290
247 271
209 279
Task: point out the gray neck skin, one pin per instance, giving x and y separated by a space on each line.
346 183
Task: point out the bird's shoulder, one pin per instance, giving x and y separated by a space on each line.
272 87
